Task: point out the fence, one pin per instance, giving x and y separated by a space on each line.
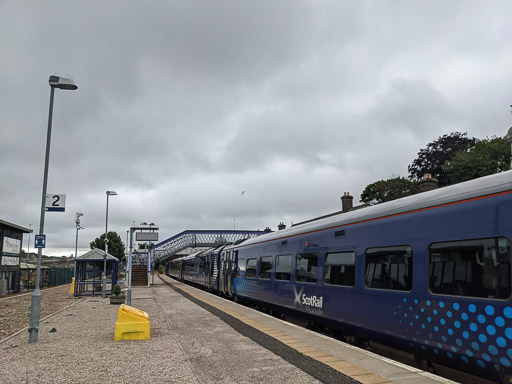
49 277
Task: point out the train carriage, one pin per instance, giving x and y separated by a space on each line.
429 274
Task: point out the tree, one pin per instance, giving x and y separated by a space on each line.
484 158
431 159
145 245
115 245
387 190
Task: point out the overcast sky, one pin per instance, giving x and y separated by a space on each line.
184 105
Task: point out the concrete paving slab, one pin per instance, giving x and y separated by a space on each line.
358 363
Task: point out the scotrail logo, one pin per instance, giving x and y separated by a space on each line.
310 301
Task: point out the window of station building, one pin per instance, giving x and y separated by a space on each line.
389 268
284 267
240 267
250 270
340 269
265 267
475 268
306 267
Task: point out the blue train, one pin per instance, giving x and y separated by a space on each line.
429 274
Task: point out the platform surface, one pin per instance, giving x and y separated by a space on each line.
195 338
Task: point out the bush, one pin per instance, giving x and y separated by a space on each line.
117 289
161 269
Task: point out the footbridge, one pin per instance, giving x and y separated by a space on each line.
192 239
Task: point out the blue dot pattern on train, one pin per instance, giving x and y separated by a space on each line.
468 330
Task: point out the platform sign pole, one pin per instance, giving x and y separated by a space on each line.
35 307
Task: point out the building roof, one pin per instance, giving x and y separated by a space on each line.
96 254
18 227
31 266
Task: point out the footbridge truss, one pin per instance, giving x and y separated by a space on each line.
192 239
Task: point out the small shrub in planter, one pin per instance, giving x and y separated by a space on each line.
117 297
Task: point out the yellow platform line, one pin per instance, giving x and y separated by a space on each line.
355 372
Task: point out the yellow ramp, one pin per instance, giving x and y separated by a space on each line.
132 324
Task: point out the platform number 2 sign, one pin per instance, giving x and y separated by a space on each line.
55 203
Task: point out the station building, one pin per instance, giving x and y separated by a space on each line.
11 239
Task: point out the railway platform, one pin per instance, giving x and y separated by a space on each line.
195 338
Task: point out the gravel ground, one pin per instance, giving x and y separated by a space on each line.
15 310
188 345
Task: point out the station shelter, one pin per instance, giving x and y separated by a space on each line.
11 239
88 270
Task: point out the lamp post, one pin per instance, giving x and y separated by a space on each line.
104 277
35 307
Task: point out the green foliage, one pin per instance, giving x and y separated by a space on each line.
115 244
145 245
117 289
161 269
431 159
485 157
387 190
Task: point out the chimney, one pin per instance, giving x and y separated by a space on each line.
346 202
267 229
281 226
428 183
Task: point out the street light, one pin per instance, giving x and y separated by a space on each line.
104 277
35 307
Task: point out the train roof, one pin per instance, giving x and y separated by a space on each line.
484 186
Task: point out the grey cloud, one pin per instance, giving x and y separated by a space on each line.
182 105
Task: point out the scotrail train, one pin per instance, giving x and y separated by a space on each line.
429 274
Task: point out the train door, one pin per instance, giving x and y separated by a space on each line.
207 273
215 271
231 272
227 269
222 259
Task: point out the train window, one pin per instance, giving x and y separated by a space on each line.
476 268
306 267
241 267
389 268
340 269
265 267
283 267
250 270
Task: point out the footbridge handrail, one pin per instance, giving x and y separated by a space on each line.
199 238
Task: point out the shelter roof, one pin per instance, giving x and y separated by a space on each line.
96 254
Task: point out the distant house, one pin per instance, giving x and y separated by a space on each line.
346 206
